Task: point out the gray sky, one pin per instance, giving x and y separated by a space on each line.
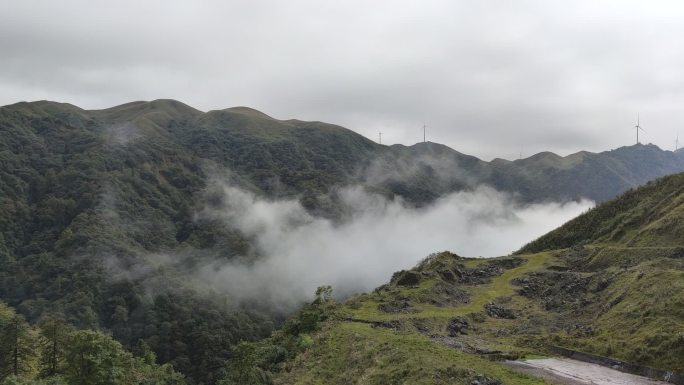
490 78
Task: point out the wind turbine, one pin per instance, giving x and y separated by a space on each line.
638 127
380 137
677 143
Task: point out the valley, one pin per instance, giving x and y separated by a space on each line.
124 220
454 320
439 192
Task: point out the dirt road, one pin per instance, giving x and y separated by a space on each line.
571 372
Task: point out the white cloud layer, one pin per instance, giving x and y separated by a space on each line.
490 78
301 252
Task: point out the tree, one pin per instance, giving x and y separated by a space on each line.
18 351
54 334
93 358
54 380
323 294
243 368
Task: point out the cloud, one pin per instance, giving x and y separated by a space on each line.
490 78
299 252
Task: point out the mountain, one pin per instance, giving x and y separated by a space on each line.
100 209
541 177
649 216
452 320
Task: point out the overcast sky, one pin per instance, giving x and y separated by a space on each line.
490 78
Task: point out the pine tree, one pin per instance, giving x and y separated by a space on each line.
54 333
18 348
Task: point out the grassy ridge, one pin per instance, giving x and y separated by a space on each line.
634 315
348 352
648 216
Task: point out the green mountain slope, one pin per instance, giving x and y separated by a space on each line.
648 216
598 176
91 200
428 170
452 320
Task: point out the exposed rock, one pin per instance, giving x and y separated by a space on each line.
445 294
422 327
485 351
576 257
481 379
396 306
452 374
406 278
562 290
482 274
393 324
601 284
457 325
678 252
447 275
451 342
496 311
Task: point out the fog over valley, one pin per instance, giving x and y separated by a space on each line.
300 252
222 192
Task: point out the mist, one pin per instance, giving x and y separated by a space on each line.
299 252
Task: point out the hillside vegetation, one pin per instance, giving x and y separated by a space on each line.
647 216
453 320
99 210
54 353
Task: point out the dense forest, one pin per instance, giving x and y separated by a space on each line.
52 352
99 219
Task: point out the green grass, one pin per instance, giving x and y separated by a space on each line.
356 353
646 327
647 216
501 286
645 324
481 294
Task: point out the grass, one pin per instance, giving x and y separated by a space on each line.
621 297
481 294
356 353
647 327
643 320
501 286
647 216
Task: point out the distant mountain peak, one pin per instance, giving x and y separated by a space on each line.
248 111
171 108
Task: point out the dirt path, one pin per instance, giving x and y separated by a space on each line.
571 372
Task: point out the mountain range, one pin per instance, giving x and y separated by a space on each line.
91 202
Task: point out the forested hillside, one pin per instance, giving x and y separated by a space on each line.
53 352
99 209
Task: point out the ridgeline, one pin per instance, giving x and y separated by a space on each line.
92 201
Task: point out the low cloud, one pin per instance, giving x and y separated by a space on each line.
299 252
